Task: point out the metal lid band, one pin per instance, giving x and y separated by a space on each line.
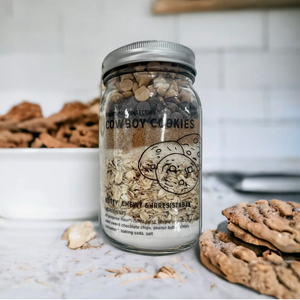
146 51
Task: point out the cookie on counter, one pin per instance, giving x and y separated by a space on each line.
271 223
268 274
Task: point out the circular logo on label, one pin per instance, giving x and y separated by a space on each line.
177 174
153 154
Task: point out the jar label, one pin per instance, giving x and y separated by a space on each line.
154 191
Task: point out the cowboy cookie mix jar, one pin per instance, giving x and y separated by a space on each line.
150 148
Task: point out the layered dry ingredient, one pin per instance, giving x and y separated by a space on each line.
153 146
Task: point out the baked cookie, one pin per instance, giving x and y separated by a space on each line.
191 145
51 142
248 237
37 125
154 154
273 221
19 139
21 112
70 112
267 274
84 136
177 174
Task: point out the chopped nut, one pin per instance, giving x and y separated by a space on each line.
171 92
79 234
162 88
126 85
159 79
142 94
152 90
185 96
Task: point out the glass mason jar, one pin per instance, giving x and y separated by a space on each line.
150 148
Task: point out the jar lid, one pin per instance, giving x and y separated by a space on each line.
149 51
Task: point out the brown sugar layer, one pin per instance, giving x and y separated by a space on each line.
147 135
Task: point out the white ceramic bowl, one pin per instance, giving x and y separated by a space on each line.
49 184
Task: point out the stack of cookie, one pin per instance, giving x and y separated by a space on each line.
261 249
76 125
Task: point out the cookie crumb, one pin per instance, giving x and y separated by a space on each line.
84 272
188 268
124 270
78 235
167 272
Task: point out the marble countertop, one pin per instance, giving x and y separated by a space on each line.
36 263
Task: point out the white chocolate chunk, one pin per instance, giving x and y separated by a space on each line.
126 85
142 94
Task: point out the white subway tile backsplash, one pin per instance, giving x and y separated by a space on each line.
208 69
102 34
261 140
31 8
81 9
49 72
238 105
232 105
211 142
241 105
284 104
5 9
31 27
248 65
262 70
243 29
137 28
132 6
284 28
